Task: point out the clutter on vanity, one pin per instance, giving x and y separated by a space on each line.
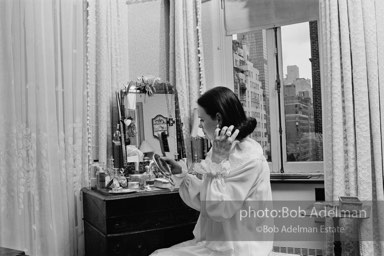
146 129
132 205
155 175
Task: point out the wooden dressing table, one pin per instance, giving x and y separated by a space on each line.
134 224
11 252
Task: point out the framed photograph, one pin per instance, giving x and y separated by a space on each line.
159 125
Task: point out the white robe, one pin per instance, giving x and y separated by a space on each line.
220 197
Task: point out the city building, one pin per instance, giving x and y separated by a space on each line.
248 88
256 42
303 144
292 74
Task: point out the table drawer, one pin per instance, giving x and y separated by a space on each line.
150 220
140 243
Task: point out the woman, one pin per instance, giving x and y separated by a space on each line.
235 182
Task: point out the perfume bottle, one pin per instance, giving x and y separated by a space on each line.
109 171
94 169
100 177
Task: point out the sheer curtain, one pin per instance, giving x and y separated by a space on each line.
186 61
107 68
352 33
42 148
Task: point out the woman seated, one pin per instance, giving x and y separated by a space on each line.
234 187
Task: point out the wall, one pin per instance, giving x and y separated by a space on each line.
299 192
217 46
148 24
148 30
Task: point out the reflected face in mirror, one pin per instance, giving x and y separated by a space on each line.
207 123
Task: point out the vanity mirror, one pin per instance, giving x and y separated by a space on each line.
146 121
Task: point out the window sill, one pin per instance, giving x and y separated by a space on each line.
297 178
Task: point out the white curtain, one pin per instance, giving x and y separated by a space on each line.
107 69
186 60
352 36
43 159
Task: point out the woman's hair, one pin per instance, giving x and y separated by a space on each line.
222 100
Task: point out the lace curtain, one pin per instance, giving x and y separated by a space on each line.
42 147
186 61
107 69
352 33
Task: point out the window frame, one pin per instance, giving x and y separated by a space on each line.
219 45
307 167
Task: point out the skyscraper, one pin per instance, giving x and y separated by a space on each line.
292 74
256 42
248 89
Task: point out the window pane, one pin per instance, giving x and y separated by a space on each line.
250 67
302 94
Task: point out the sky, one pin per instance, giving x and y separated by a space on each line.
297 48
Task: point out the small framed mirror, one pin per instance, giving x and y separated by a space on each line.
147 121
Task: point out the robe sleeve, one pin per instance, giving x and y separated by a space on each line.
226 194
189 190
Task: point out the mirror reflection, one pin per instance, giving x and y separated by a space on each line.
146 122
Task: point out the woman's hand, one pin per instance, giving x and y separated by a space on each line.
222 143
175 167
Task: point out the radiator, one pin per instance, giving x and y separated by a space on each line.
299 251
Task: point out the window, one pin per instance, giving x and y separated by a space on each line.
254 69
300 95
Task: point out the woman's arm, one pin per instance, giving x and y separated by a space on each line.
190 191
226 194
189 185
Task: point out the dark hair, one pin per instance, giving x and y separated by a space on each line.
224 101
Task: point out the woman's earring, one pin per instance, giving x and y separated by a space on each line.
218 126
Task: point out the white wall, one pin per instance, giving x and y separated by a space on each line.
217 47
148 51
148 39
299 192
